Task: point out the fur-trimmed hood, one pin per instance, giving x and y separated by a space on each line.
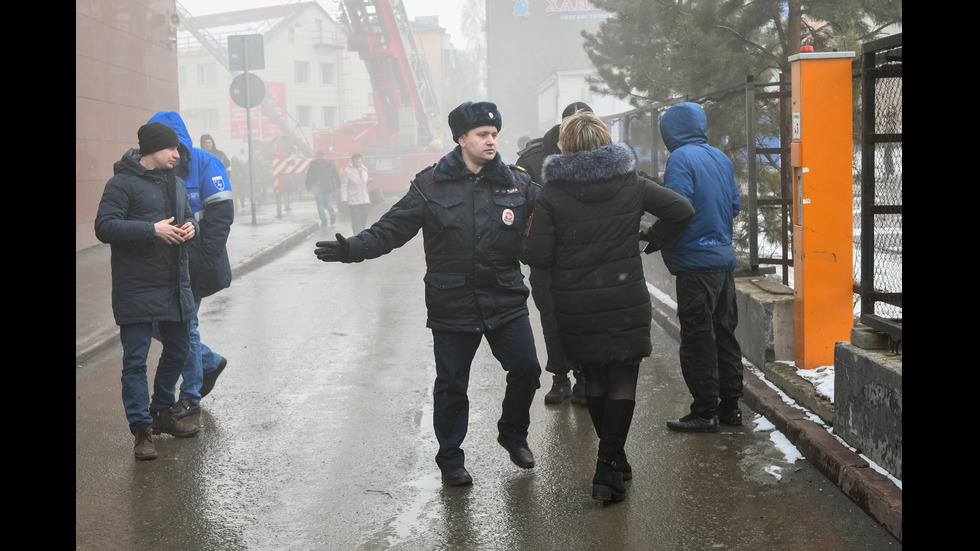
591 175
452 167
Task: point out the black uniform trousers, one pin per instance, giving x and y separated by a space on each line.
513 345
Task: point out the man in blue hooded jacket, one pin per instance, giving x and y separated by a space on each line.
211 201
703 259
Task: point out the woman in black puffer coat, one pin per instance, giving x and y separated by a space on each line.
585 228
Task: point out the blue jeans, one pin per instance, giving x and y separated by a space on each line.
200 360
136 339
513 345
323 205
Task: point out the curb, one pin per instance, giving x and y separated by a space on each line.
870 490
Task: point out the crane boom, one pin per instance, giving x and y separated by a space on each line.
399 75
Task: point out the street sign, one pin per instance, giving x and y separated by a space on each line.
246 52
247 90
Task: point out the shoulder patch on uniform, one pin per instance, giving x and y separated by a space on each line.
519 167
419 173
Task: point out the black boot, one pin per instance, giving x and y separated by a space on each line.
607 483
578 389
561 389
597 410
616 423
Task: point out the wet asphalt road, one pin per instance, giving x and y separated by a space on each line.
318 436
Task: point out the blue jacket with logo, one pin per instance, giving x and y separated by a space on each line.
706 177
210 198
472 226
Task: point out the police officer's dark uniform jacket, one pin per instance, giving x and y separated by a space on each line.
473 225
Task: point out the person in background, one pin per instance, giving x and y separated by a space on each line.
354 192
207 144
322 180
703 260
472 210
146 220
532 158
586 230
210 199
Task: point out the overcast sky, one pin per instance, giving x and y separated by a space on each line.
448 12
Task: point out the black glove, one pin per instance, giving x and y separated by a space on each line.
333 251
651 246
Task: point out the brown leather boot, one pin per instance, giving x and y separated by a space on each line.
165 423
144 450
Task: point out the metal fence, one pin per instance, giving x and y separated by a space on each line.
750 122
878 199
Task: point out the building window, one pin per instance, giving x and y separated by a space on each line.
209 120
326 73
329 114
304 115
302 71
207 74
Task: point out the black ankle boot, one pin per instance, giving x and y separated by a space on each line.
607 483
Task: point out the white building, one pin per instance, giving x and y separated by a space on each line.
561 88
312 82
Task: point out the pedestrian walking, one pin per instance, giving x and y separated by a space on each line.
586 230
210 198
354 192
472 210
145 218
323 180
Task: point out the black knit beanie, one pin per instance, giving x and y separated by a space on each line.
155 136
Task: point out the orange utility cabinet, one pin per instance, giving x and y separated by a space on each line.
823 206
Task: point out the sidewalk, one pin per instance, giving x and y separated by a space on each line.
276 230
249 246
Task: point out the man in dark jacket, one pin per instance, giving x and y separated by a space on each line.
531 158
145 217
322 180
703 259
210 198
472 210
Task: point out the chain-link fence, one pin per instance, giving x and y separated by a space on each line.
759 151
878 186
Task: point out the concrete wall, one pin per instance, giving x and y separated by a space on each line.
868 403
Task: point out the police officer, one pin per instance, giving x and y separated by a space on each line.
473 210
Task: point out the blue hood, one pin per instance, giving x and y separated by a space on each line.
173 120
682 124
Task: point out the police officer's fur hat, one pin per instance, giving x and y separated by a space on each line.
471 115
